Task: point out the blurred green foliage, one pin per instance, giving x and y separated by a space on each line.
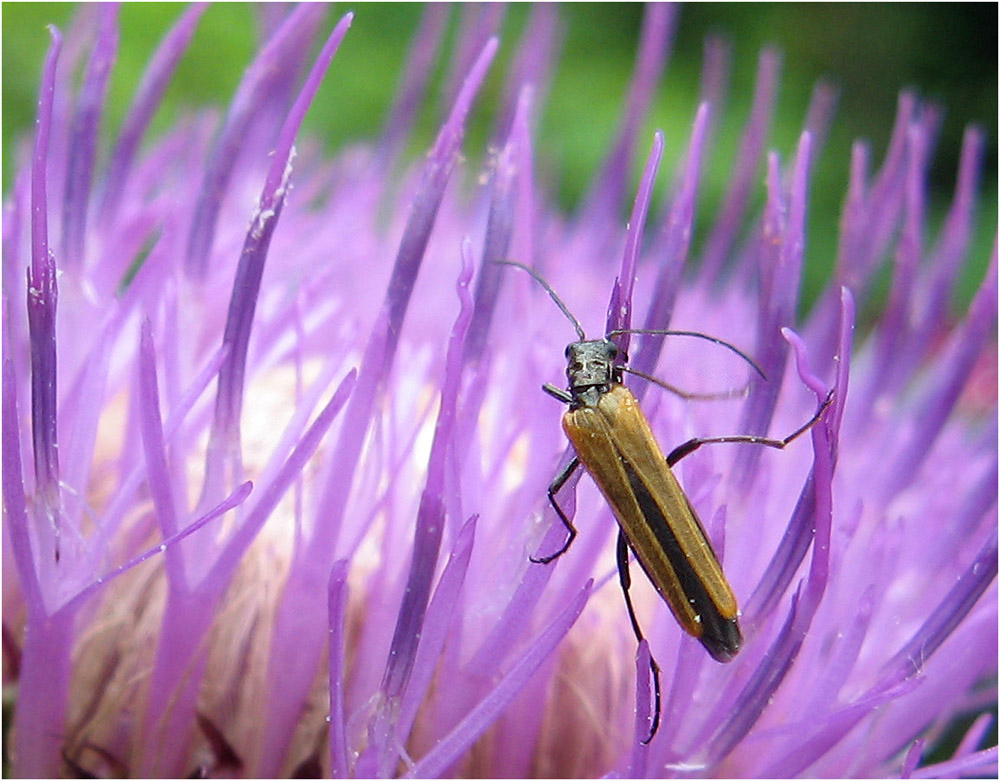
871 51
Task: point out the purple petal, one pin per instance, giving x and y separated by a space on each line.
337 600
43 694
834 728
223 462
852 222
781 272
430 523
147 97
499 226
734 206
478 24
894 334
842 356
656 41
416 73
533 63
83 137
912 759
14 500
297 670
674 251
886 196
157 470
271 494
800 530
125 497
853 233
840 663
980 764
754 697
743 709
644 715
824 437
968 343
16 216
715 71
42 295
944 619
451 747
218 171
231 502
953 242
974 735
620 316
819 116
437 627
83 406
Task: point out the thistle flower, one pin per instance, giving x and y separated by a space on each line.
272 475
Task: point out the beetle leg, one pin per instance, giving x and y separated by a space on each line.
693 444
558 483
626 580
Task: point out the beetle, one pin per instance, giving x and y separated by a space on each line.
614 442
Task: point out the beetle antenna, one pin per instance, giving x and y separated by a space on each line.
698 334
552 294
732 393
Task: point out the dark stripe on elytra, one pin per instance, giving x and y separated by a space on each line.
720 636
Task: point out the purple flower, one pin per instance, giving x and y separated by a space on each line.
275 456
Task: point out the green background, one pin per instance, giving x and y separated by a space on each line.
871 51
